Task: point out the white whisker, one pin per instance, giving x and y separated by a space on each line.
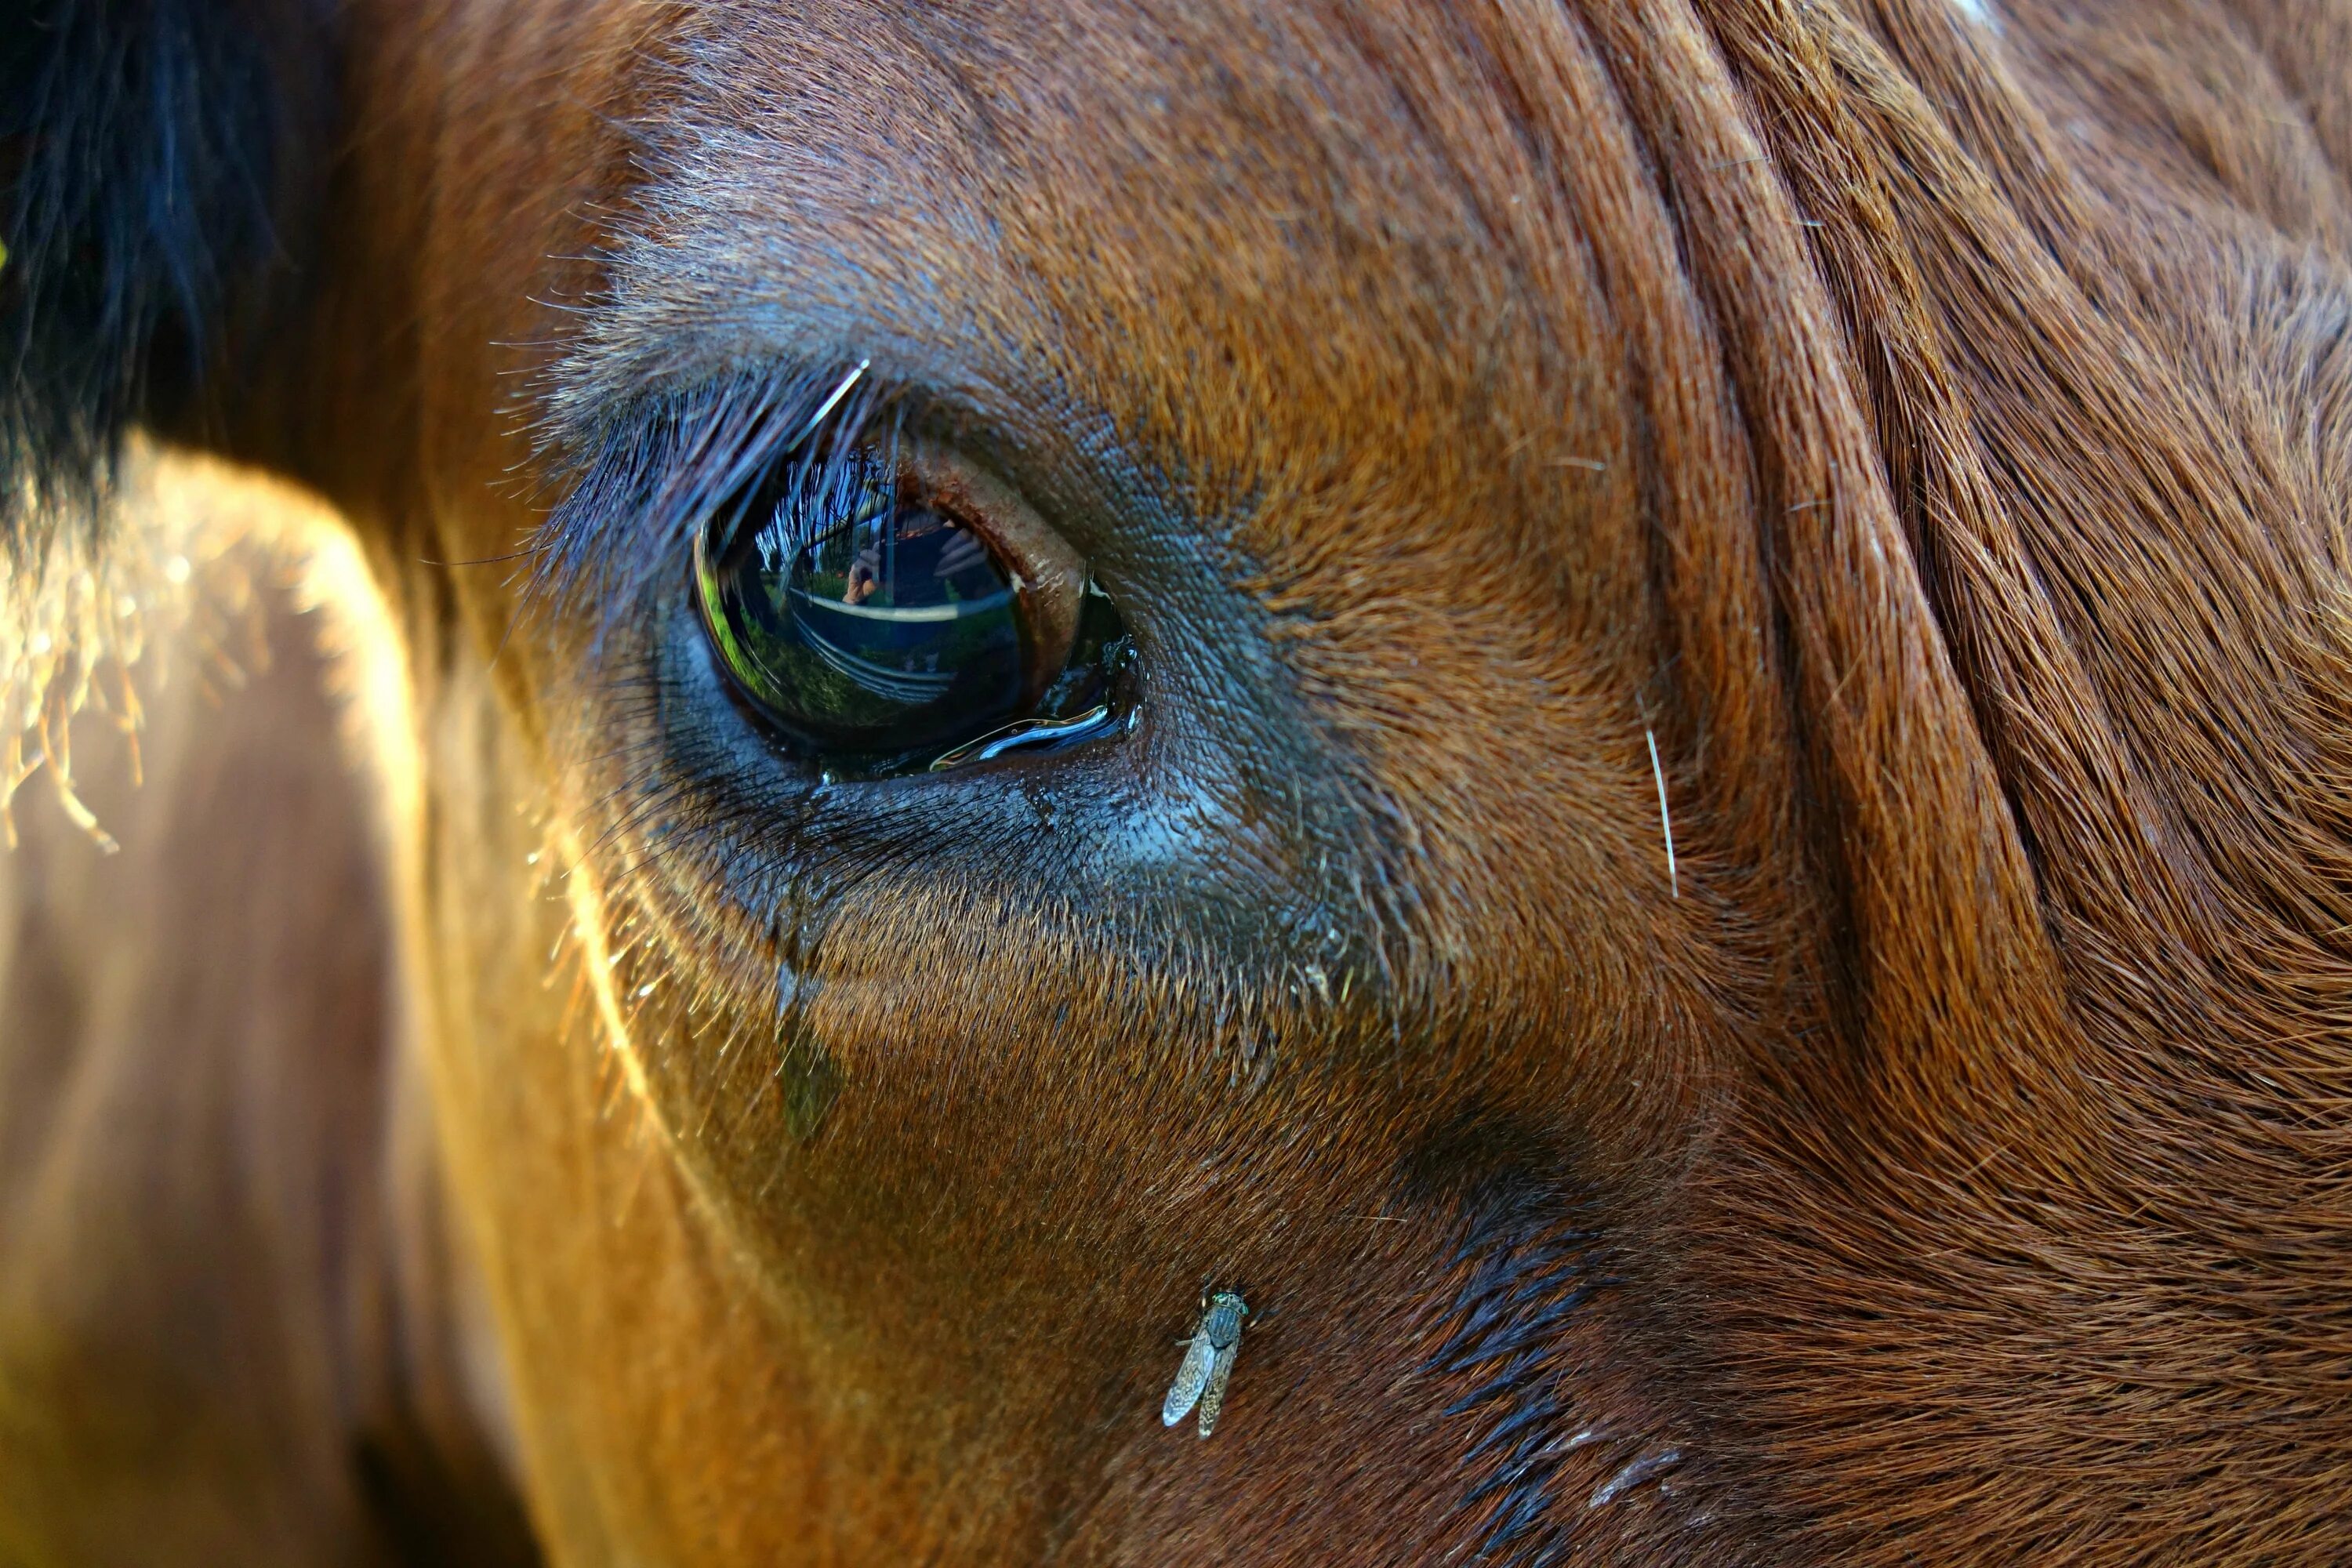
1674 880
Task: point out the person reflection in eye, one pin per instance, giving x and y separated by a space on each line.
931 552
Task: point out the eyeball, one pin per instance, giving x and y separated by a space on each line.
887 606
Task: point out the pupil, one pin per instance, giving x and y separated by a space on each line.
861 619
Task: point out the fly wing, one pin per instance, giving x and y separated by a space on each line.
1213 1398
1185 1392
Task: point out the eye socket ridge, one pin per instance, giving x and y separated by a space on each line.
883 604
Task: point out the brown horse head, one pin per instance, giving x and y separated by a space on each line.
1705 842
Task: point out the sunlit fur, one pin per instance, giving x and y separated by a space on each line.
1930 426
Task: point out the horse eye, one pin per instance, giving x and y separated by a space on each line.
888 606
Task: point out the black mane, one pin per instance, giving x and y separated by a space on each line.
148 197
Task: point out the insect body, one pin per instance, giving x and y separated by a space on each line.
1208 1363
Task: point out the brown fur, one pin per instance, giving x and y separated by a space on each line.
1937 435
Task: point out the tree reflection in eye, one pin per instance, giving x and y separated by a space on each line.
877 630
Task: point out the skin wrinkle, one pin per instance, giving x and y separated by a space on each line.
1932 432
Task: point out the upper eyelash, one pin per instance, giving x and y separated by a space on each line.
644 487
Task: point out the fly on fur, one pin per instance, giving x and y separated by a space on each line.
1208 1363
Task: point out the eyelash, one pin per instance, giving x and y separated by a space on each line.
640 487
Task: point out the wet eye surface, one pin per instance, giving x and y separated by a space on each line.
886 606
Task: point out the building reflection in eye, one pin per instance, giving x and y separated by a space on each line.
921 602
897 619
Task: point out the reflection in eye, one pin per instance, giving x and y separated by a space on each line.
873 626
